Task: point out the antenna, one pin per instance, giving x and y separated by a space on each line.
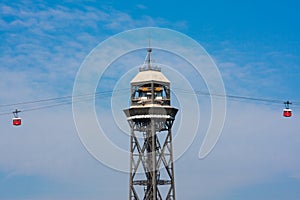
148 62
149 53
149 40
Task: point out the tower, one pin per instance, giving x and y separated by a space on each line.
150 117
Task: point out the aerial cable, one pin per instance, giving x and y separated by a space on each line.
233 97
102 93
66 100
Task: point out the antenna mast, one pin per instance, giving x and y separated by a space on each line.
149 54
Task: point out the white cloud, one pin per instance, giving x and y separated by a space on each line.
296 175
53 41
141 6
257 145
246 70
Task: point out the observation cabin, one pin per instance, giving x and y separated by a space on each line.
150 89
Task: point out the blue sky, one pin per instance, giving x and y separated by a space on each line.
255 45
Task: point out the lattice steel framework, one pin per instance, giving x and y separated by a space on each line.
151 118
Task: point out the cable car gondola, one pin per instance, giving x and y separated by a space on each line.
287 112
17 121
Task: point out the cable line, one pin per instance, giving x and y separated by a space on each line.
60 101
66 100
231 97
60 98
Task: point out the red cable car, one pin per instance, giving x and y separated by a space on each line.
17 121
287 112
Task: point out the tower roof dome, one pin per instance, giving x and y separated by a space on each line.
145 76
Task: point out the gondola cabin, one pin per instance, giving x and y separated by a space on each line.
287 112
17 121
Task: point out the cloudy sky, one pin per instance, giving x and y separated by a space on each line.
255 45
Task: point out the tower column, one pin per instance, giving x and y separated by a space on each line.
151 117
153 155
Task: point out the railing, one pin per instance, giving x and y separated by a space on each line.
146 68
144 100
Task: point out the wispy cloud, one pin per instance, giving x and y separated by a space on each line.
245 72
254 148
53 41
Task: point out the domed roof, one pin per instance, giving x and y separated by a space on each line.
149 75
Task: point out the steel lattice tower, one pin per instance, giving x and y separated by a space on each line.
150 118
